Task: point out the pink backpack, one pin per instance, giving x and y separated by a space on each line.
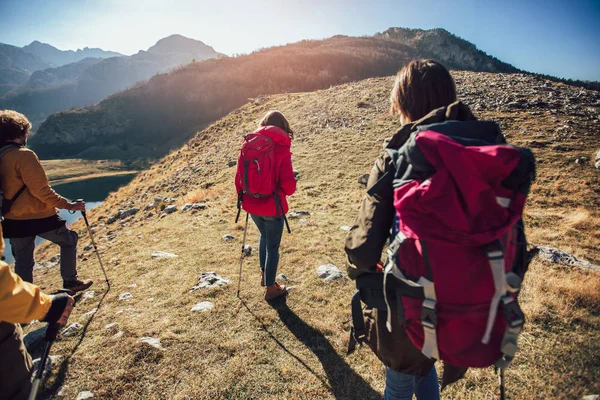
458 251
457 236
258 166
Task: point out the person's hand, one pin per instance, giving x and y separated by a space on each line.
66 312
78 205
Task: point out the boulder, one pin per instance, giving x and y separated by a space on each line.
209 280
170 209
329 272
557 256
203 306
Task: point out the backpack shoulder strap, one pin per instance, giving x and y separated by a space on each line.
7 203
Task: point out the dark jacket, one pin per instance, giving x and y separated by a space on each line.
367 238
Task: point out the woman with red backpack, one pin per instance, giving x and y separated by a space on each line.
263 179
424 93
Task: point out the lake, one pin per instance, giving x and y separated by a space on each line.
93 191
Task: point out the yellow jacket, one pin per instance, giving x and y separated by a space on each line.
22 166
20 302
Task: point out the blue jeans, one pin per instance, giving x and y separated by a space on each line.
399 386
271 229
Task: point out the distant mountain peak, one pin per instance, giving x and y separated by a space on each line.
177 43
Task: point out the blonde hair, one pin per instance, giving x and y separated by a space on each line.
276 118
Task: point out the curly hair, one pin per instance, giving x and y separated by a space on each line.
13 125
420 87
276 118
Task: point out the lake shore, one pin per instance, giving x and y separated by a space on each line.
63 171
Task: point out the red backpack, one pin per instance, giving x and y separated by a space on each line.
458 253
258 166
259 171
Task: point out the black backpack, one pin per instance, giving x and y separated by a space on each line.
6 204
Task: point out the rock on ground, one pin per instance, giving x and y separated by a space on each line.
228 238
195 206
72 329
209 280
597 161
203 306
170 209
297 214
88 295
247 250
557 256
125 296
345 228
329 272
154 342
163 254
85 395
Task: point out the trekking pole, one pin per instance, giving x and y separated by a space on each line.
95 248
242 256
502 394
51 332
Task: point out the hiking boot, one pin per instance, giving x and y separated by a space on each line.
77 285
275 291
262 277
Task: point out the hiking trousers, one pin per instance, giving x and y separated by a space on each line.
271 229
23 248
399 386
15 364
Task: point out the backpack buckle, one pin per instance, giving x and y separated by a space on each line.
513 313
428 316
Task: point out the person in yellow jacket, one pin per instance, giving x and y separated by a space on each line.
33 204
22 302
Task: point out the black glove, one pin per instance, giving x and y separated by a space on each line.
59 303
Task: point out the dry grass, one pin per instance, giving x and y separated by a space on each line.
248 349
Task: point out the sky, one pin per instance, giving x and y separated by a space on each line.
560 38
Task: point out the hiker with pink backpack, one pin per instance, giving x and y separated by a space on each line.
446 197
263 180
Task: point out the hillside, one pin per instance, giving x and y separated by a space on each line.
91 79
248 349
152 118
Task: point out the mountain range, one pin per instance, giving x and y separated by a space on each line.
17 64
38 91
153 117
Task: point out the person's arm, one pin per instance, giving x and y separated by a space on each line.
34 177
22 302
287 181
367 238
